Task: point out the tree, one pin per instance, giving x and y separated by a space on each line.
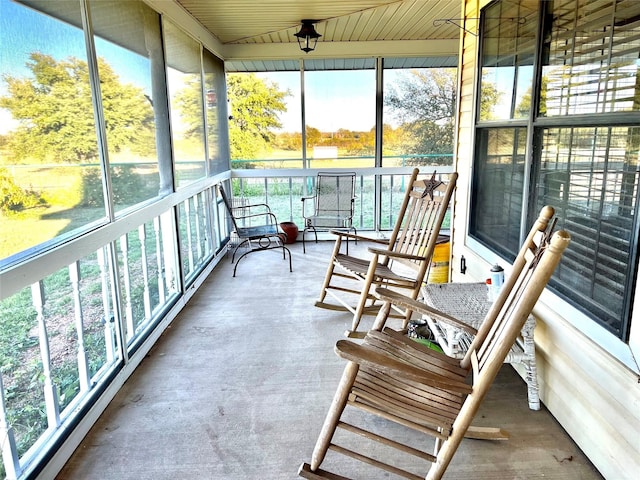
189 102
12 197
55 111
423 102
255 105
489 98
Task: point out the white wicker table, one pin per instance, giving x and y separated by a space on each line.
468 303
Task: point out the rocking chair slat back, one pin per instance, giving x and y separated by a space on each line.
423 213
532 248
403 261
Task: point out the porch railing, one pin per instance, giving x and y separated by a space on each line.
83 315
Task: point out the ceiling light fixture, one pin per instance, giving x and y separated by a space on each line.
307 36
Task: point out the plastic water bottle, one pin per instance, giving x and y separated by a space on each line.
497 279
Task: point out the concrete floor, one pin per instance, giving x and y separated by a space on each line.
238 387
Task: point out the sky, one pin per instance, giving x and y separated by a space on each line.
23 31
335 99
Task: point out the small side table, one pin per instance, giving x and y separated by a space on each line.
468 303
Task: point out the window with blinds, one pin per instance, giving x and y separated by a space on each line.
584 119
498 184
591 58
590 175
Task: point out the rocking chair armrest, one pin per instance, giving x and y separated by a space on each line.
342 233
366 356
422 308
392 254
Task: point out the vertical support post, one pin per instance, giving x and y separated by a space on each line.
50 397
8 441
198 215
83 364
160 264
172 270
142 235
187 219
531 370
126 276
108 323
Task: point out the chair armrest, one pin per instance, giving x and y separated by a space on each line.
307 206
364 355
265 208
268 215
392 254
342 233
252 205
422 308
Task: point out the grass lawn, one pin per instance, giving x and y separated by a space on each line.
36 225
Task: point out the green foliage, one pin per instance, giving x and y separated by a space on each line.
16 317
349 142
489 98
289 141
423 103
20 357
20 374
128 186
12 197
189 102
55 111
255 105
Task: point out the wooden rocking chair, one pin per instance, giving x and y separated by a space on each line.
402 263
403 381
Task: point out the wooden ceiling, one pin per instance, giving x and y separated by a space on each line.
359 27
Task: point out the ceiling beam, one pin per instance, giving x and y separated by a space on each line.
287 51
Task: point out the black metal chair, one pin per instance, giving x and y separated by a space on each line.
257 227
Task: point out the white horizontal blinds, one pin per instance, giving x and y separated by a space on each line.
625 56
499 183
592 57
508 50
591 67
589 175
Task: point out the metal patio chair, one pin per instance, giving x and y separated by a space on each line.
256 227
331 206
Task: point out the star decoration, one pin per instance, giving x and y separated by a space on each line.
430 185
